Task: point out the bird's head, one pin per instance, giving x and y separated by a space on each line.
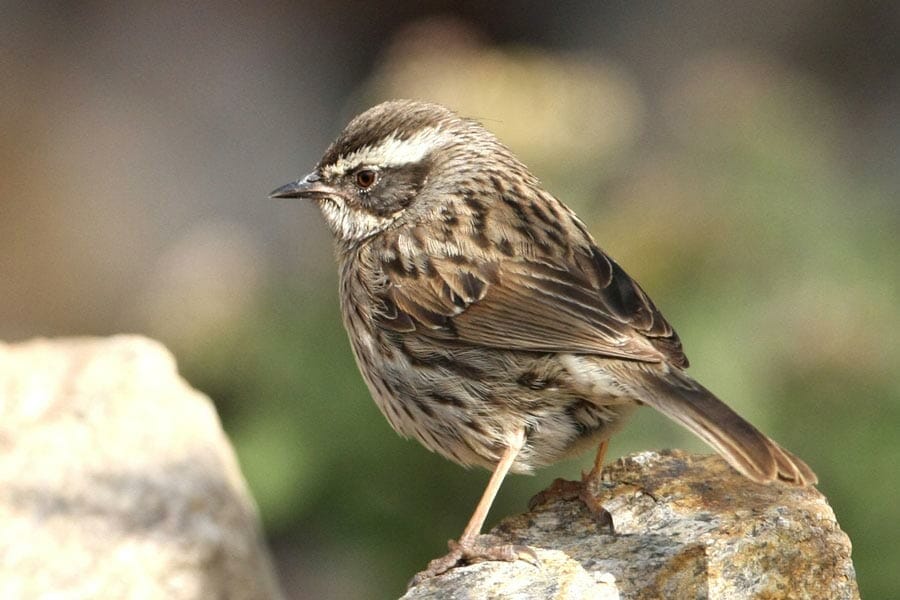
391 158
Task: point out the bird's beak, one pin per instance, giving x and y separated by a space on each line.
310 186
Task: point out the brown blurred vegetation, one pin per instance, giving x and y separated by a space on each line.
741 161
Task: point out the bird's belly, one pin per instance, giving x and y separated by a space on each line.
468 405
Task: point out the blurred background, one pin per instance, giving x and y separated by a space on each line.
741 160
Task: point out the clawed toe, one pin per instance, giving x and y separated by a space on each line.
602 517
565 490
466 552
560 489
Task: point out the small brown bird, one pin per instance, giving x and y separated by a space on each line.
485 320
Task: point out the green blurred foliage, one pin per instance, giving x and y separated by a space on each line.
777 265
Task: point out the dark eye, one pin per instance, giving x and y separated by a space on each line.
366 178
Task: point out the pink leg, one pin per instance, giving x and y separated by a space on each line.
493 486
468 548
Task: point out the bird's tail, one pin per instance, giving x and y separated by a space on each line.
746 448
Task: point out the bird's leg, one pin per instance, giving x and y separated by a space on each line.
468 548
602 516
598 463
563 489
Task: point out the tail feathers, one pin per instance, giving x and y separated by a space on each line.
800 471
747 449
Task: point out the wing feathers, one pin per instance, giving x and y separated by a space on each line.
588 305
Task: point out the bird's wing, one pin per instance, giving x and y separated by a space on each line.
584 303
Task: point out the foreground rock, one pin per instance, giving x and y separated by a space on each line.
686 527
116 480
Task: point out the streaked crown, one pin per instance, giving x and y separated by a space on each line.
392 134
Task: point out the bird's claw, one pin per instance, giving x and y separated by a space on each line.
566 490
466 552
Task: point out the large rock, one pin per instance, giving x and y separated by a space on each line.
685 527
116 480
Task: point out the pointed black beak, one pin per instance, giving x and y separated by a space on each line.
310 186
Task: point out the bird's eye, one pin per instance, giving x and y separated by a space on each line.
366 178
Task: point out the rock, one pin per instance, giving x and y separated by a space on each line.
116 480
685 527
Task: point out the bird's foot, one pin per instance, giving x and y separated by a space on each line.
566 490
473 550
561 489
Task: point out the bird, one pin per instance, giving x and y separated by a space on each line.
486 321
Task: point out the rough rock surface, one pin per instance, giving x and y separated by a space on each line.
116 480
685 527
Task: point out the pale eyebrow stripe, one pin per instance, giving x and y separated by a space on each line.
394 152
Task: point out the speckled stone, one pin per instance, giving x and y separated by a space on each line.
686 526
117 481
